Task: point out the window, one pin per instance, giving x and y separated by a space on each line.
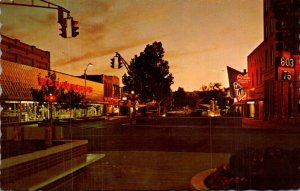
261 75
256 76
266 31
271 26
272 56
266 59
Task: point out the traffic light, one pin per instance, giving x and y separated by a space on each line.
112 63
75 27
119 63
63 28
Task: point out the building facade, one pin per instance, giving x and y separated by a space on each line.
18 52
18 78
112 91
274 70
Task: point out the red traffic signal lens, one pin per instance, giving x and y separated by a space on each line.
75 23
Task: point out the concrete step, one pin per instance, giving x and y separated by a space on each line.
43 178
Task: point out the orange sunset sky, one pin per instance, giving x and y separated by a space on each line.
200 37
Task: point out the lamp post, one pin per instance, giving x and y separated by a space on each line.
85 112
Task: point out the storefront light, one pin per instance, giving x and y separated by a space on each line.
27 102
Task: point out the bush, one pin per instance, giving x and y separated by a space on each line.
272 168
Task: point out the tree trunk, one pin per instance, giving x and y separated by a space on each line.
50 129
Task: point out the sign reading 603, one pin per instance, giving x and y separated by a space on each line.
286 62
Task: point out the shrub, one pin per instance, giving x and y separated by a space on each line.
272 168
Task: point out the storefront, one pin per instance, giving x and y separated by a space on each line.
17 103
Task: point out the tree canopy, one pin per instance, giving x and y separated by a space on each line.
182 99
148 75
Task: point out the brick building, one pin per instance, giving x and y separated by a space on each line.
18 52
274 70
112 90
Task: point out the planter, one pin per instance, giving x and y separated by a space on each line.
197 181
272 168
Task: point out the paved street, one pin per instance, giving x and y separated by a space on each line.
143 170
115 136
163 158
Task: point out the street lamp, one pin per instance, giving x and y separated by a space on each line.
89 64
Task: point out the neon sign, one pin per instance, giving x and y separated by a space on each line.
65 85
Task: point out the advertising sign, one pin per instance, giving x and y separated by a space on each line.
240 93
285 68
243 80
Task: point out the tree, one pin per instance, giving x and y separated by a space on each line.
50 92
179 97
148 75
182 99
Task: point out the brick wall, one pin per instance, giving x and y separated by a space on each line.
15 51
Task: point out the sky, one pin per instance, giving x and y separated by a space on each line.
200 37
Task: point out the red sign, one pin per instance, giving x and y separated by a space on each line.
240 93
111 100
64 85
243 80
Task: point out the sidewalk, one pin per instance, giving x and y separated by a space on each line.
255 123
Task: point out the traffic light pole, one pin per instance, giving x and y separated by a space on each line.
49 6
61 19
121 61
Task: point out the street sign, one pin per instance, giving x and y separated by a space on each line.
285 68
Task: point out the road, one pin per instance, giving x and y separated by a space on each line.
162 158
115 136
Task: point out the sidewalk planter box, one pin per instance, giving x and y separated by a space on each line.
192 121
27 164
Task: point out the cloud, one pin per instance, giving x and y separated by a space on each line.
100 53
176 54
49 19
95 7
92 33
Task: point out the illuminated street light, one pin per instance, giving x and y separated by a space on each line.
89 64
